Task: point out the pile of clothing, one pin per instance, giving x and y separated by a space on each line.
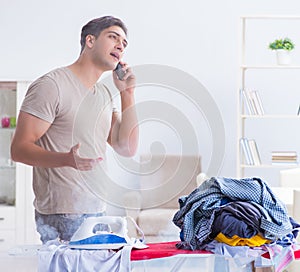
237 212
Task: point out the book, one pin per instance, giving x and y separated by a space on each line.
284 157
246 151
249 105
253 102
284 162
284 153
254 151
258 102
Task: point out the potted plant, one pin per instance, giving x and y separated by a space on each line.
283 47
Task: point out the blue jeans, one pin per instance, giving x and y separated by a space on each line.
62 226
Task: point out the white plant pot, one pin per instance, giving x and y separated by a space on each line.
283 57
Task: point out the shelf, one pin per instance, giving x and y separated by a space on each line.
270 166
270 116
273 17
252 67
5 167
8 85
7 206
7 129
16 196
245 67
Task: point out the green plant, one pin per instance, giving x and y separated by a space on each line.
285 44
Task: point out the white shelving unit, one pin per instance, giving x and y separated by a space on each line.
17 225
260 66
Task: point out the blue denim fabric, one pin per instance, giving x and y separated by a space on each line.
62 226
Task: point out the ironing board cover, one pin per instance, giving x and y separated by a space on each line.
168 249
160 250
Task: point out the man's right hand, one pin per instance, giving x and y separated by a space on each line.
82 164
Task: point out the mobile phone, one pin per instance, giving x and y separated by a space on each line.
119 71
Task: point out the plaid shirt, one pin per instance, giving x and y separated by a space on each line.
197 210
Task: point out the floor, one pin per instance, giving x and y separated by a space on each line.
18 263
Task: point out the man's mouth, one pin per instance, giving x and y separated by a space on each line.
115 55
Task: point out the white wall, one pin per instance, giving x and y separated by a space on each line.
196 36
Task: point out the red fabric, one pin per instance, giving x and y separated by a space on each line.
167 249
296 254
160 250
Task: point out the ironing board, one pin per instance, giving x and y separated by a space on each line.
162 250
166 257
167 249
158 257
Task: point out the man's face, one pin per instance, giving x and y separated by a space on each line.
108 48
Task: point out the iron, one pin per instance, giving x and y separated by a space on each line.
105 232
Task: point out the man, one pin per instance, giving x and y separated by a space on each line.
66 112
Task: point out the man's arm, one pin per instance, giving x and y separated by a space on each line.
124 133
24 148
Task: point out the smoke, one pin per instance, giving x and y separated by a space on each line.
172 117
164 114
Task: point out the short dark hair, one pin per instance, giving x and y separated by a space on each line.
95 27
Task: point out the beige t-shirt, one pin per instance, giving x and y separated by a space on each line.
77 115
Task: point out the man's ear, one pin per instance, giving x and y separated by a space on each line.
89 40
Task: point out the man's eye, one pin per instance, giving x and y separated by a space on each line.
113 37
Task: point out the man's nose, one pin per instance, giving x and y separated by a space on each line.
120 46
